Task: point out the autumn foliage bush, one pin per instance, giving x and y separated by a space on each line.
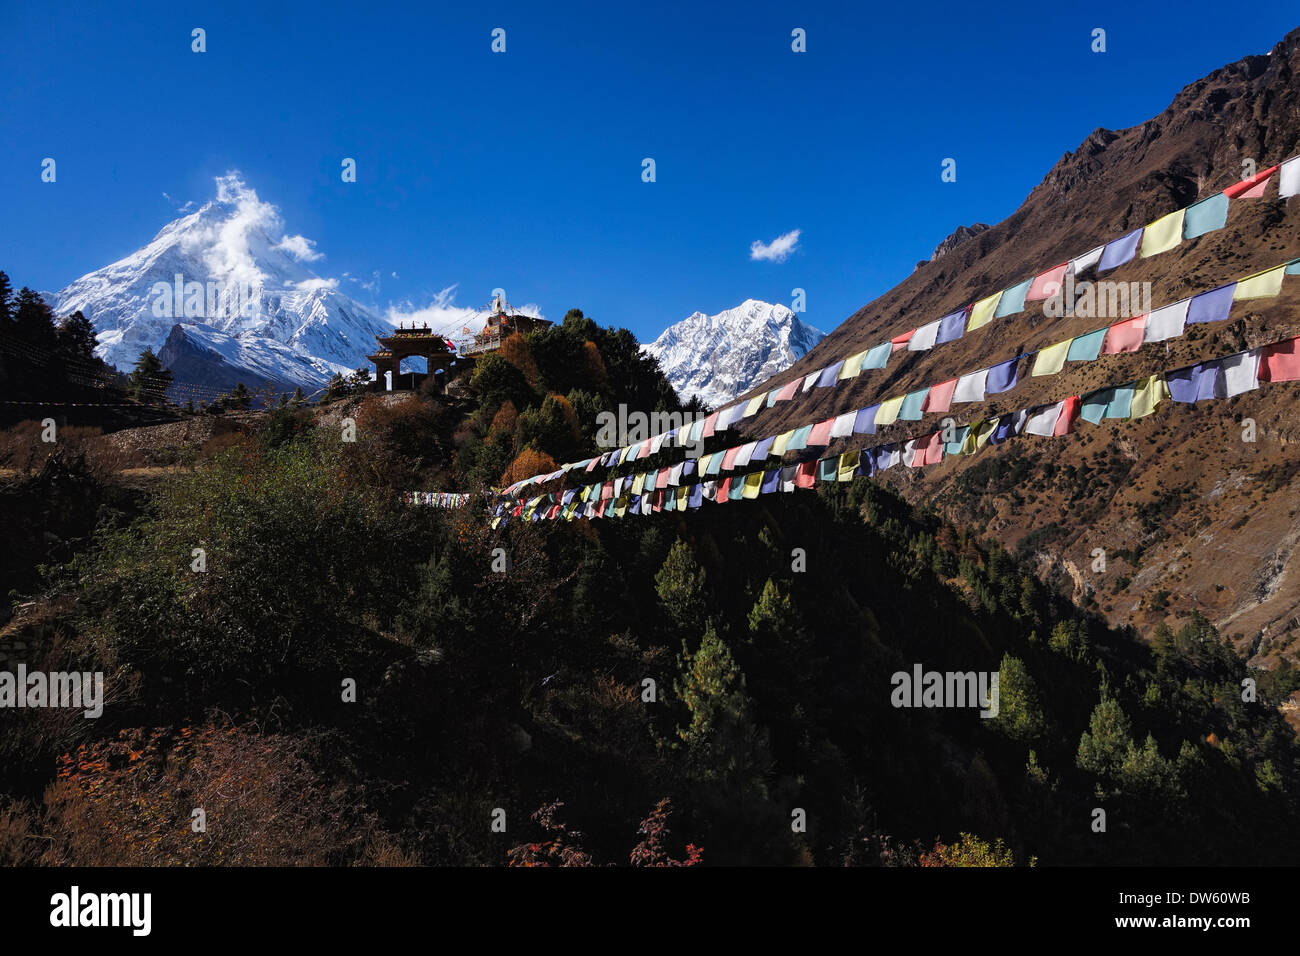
133 801
562 846
527 463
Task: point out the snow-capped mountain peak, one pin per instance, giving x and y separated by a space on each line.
240 286
719 357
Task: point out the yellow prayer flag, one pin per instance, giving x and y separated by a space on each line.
1051 359
1163 234
852 367
753 483
620 507
981 313
783 439
983 432
754 405
1263 286
849 464
638 483
887 413
1148 393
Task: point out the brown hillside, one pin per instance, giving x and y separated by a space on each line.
1187 512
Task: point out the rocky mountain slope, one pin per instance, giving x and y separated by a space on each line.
1190 516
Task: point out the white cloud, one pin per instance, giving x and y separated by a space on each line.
394 275
443 315
310 285
181 209
236 236
778 250
300 247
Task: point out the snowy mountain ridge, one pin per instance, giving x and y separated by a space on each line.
240 287
719 357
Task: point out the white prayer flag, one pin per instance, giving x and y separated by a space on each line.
1289 182
1166 322
1043 421
970 388
1086 261
843 426
924 337
1240 373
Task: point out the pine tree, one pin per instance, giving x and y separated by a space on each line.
773 615
679 584
1020 715
721 736
6 302
77 338
728 757
149 381
34 322
298 397
1105 744
240 396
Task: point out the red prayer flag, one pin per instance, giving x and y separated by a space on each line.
1069 412
1280 362
1125 336
805 475
939 398
1251 187
708 425
933 450
724 491
787 391
821 433
900 341
1046 284
729 458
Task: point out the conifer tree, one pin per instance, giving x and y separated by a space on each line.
6 302
148 381
1106 742
77 338
679 584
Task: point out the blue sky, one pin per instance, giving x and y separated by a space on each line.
523 169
